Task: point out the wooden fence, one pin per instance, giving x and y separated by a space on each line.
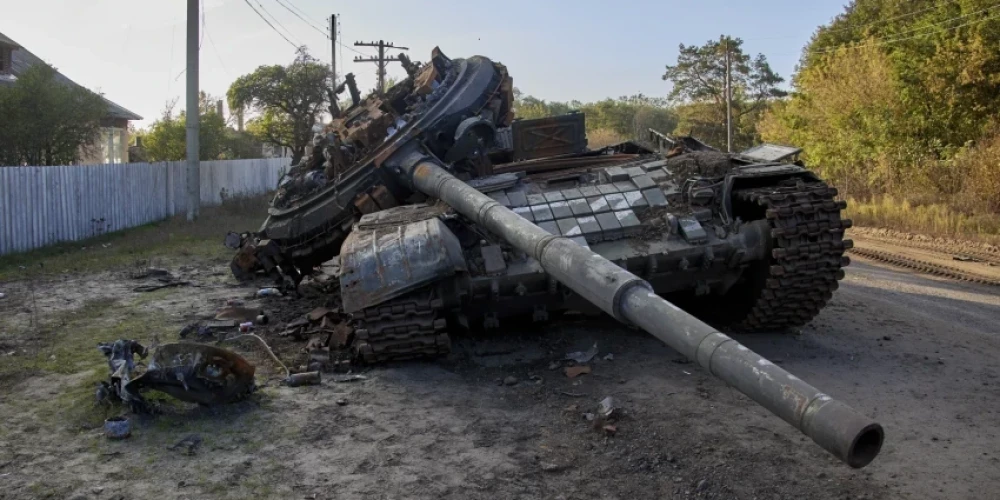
40 206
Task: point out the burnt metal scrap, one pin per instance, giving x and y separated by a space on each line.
194 373
433 234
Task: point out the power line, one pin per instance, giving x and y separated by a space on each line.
204 32
201 38
275 19
902 16
932 25
311 25
381 61
352 49
339 36
271 25
300 11
849 28
886 41
217 55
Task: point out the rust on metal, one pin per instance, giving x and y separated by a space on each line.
365 204
383 197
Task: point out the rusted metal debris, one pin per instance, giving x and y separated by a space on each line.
194 373
241 314
305 378
331 327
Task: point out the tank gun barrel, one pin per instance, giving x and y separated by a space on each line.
849 435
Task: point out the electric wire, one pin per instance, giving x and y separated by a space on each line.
276 21
271 25
311 25
888 41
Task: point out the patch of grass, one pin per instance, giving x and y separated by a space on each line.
174 239
602 137
931 219
66 346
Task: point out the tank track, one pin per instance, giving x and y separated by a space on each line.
408 327
807 253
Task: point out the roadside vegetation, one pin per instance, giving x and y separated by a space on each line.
894 102
170 240
902 115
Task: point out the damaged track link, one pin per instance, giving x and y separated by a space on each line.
409 327
924 266
807 253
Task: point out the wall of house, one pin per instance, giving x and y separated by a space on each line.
111 146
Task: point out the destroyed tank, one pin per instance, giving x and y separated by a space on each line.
759 239
439 226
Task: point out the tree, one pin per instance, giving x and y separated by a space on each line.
891 107
847 118
700 77
166 139
289 100
46 121
625 117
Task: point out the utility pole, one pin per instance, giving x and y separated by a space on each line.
729 101
333 48
382 61
193 114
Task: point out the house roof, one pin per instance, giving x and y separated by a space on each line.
22 59
7 41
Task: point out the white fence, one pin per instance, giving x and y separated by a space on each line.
44 205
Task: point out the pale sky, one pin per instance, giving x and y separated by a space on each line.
134 50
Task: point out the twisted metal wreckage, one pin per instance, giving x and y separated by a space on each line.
446 213
195 373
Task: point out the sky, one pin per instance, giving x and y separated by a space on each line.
133 51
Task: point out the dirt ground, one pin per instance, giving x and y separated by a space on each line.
954 259
917 353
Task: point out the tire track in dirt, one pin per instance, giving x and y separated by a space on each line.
930 258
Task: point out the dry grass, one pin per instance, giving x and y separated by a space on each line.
602 137
165 241
931 219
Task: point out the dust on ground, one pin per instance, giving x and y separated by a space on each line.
916 353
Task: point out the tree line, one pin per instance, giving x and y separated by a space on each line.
892 97
899 97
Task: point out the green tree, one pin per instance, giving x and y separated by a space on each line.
884 107
288 99
625 117
848 119
166 138
943 54
699 77
46 121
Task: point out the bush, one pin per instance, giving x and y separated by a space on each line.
602 137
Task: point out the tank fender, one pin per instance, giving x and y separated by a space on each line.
756 176
382 262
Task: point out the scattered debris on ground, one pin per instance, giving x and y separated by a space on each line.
581 357
304 378
195 373
117 427
188 445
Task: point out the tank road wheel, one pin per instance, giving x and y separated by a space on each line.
806 253
408 327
